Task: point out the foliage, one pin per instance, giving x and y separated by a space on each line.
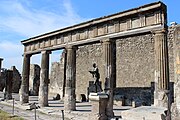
6 116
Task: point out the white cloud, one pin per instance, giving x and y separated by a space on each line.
30 22
12 54
21 18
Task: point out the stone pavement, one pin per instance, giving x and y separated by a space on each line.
53 111
83 110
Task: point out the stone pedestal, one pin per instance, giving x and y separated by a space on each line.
8 87
99 102
24 91
44 79
70 98
161 69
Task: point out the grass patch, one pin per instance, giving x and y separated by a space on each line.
6 116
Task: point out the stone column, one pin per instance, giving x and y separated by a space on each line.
0 65
161 69
109 81
70 98
8 87
44 79
24 91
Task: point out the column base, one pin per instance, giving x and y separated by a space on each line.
69 103
161 98
7 96
43 96
24 98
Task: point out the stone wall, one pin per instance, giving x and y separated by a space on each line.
57 77
175 108
16 82
134 63
139 95
2 79
86 56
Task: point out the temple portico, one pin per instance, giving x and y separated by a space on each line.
151 19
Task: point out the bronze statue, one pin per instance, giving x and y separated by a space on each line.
96 76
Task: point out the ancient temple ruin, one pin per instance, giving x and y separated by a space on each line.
10 78
137 55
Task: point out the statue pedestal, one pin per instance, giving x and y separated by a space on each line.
99 102
92 88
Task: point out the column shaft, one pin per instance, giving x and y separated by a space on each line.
24 91
70 100
161 69
44 79
109 81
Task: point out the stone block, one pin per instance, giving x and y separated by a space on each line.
123 26
135 22
81 98
150 19
99 102
101 30
119 100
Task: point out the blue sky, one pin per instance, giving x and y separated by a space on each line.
21 19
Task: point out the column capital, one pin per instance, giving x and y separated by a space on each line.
27 55
45 51
1 59
106 40
71 47
160 31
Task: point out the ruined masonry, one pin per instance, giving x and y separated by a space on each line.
15 79
16 82
136 53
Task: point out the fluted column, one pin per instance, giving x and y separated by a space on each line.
69 99
161 69
24 91
44 79
0 65
109 81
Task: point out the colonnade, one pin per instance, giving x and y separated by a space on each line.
161 74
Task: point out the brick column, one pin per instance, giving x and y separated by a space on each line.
109 81
44 79
161 69
24 91
70 98
0 65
